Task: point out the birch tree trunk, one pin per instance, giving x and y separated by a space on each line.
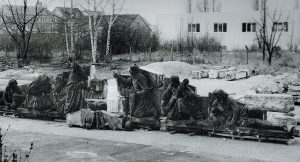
72 32
111 21
107 54
94 52
67 41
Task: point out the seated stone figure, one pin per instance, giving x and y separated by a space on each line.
13 96
137 92
225 111
76 89
179 100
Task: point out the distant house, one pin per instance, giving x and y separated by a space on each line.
65 12
68 16
130 32
45 23
233 22
87 12
134 21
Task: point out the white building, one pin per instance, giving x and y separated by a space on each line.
234 22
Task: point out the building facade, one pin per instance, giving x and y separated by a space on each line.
235 23
45 22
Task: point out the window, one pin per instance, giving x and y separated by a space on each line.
220 27
280 26
193 27
248 27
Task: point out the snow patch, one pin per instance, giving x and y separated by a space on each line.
170 68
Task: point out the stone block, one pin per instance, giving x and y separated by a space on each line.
269 102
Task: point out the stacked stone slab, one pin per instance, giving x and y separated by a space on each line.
275 102
277 106
200 74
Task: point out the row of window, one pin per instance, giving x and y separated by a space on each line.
246 27
46 19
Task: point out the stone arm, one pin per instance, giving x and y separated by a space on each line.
122 82
9 99
142 82
184 91
235 109
6 96
166 96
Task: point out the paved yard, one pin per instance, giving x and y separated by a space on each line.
54 141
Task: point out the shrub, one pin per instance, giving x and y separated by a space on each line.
287 60
209 44
253 48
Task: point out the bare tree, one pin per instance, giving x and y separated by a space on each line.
203 5
270 31
261 33
19 24
208 5
112 18
95 11
216 6
255 5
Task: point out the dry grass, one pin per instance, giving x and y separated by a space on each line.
287 62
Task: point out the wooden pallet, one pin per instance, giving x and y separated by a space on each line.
24 113
258 138
148 123
233 133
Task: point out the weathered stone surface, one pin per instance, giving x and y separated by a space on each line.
230 76
240 74
217 74
96 104
281 119
269 102
213 74
235 75
200 74
74 119
112 120
83 118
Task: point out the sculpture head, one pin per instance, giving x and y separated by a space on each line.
175 81
220 95
134 70
76 67
12 83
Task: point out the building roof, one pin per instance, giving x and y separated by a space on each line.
31 10
126 19
87 12
66 11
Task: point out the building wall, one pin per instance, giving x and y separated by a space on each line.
139 23
174 26
241 5
46 23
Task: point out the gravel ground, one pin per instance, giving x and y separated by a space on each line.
57 142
